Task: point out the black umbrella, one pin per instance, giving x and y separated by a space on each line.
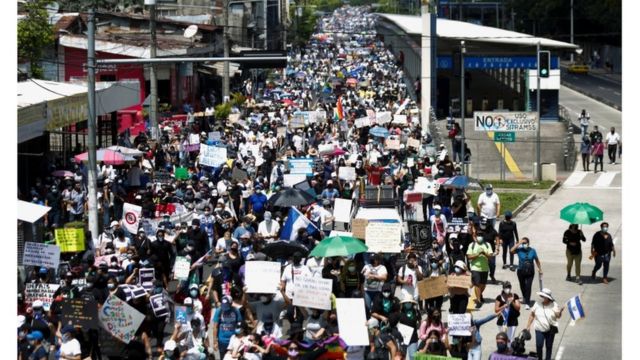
291 197
283 249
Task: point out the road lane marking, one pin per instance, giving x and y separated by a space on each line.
575 178
594 188
605 179
617 93
560 352
511 164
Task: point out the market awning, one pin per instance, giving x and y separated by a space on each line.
30 212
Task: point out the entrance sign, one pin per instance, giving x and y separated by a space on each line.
505 120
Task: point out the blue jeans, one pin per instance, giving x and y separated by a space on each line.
544 339
368 298
584 130
602 261
492 267
475 353
411 351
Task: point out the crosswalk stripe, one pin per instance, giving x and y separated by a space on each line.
575 178
605 179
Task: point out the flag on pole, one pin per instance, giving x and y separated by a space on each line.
575 308
295 221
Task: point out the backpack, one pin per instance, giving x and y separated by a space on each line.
527 268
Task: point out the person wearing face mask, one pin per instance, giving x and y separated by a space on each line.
268 229
437 214
244 227
384 346
53 199
491 237
37 350
69 345
120 241
502 346
544 316
238 343
199 238
375 275
508 306
489 205
572 238
526 271
409 275
258 201
478 255
225 322
170 351
602 247
290 273
164 253
384 304
458 297
433 322
316 326
508 233
350 279
434 344
207 221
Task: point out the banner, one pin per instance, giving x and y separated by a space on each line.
359 228
459 281
432 287
352 321
120 319
131 217
79 312
42 292
262 277
383 237
301 166
159 305
181 268
70 239
347 173
342 210
312 292
38 254
146 278
420 235
459 324
213 156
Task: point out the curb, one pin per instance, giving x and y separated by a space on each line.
524 204
554 187
595 97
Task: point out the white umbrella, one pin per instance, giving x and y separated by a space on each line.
126 151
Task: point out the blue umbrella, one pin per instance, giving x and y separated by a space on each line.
379 132
460 181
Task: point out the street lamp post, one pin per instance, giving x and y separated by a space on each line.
538 165
462 107
572 28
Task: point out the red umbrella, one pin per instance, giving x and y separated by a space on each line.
109 157
338 151
62 173
442 180
287 102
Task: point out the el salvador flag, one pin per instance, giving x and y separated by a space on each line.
575 308
296 220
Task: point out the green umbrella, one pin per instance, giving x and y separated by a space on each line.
581 213
182 173
338 246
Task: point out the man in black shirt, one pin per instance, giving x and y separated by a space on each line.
491 237
572 238
601 248
508 232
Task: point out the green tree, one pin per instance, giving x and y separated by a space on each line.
34 34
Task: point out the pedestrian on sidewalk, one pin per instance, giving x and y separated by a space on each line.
544 317
526 271
585 149
572 238
584 121
508 232
612 140
597 150
478 255
602 247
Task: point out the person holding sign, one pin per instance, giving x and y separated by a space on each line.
409 275
479 254
508 306
458 297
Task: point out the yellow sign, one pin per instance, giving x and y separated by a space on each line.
66 111
70 239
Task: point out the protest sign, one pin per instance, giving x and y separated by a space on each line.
458 225
181 268
421 356
342 210
70 239
413 210
459 324
326 149
301 166
297 121
214 136
383 117
399 119
347 173
262 277
239 174
359 228
131 217
132 291
79 311
42 292
38 254
392 144
340 233
311 117
120 319
318 165
362 122
181 314
312 292
213 156
432 287
371 115
420 235
413 143
146 278
383 237
321 115
459 281
233 118
351 321
159 305
407 332
281 131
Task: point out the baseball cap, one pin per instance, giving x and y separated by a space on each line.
170 345
114 223
35 335
373 323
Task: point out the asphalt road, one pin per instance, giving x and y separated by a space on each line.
605 90
602 115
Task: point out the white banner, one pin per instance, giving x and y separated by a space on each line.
291 179
342 210
383 117
42 292
352 321
131 217
460 324
312 292
181 268
399 119
383 237
120 319
262 277
505 121
38 254
213 156
362 122
347 173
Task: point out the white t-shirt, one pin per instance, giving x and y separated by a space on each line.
488 205
373 285
118 244
315 266
407 273
289 275
221 243
545 316
70 348
236 344
266 230
612 139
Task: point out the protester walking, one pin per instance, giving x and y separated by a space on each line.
572 238
613 140
597 150
508 232
544 317
602 247
526 271
585 151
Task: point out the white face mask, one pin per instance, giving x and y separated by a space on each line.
507 291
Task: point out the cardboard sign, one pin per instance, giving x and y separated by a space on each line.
181 268
159 305
262 277
432 287
70 239
80 312
347 173
459 324
213 156
312 292
120 319
281 131
297 121
459 281
342 210
38 254
420 235
413 143
42 292
131 217
359 228
351 321
146 278
383 237
392 144
239 174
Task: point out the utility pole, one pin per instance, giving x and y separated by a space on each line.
538 165
462 109
91 124
427 63
572 28
225 44
153 79
265 4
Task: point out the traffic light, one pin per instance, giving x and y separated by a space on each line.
544 60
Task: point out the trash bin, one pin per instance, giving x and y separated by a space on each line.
549 171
